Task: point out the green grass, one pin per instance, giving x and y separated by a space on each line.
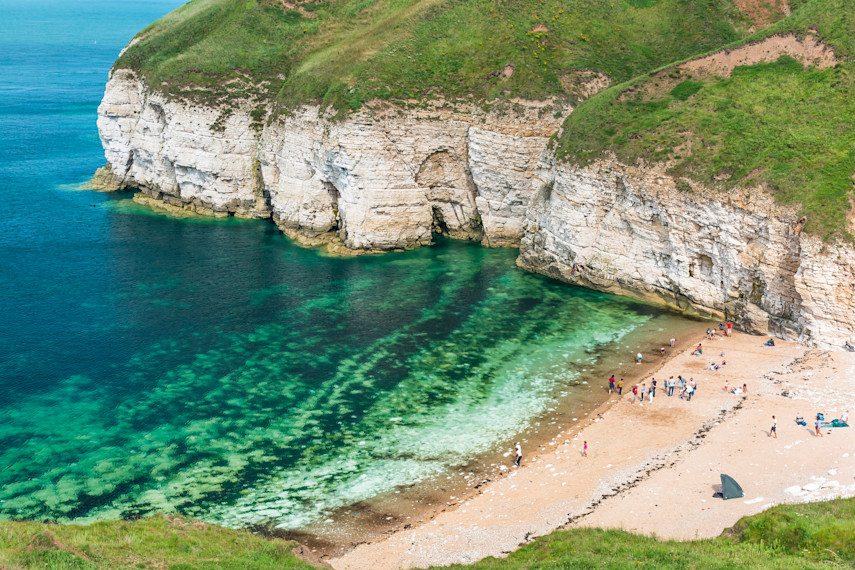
779 126
150 543
815 535
346 52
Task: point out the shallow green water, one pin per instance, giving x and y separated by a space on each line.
282 384
213 368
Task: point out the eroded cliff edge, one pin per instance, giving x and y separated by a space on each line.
377 180
388 179
633 231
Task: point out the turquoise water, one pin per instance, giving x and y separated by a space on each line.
215 369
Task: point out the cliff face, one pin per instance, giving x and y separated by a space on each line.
374 181
630 231
389 178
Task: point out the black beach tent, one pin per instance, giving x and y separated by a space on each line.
730 489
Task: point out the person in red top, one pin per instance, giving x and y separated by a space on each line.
729 327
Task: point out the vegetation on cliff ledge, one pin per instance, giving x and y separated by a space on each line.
781 126
346 52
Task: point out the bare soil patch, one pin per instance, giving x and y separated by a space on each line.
764 13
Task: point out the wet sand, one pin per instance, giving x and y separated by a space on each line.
654 468
407 507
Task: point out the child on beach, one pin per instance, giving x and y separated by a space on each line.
585 449
634 393
818 425
638 358
773 431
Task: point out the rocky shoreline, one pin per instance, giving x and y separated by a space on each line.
389 178
661 480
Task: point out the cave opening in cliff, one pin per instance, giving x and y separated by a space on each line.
438 225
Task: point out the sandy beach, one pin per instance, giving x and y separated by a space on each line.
654 468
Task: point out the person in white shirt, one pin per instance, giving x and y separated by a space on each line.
517 454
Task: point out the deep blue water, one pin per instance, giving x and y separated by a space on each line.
214 368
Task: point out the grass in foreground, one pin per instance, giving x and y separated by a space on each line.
157 542
779 126
815 535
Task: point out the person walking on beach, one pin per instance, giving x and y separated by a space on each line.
670 386
818 425
673 342
653 388
620 387
634 393
612 384
773 431
643 390
517 454
585 449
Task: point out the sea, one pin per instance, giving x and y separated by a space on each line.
213 368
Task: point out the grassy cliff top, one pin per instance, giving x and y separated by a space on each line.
346 52
783 125
157 542
813 535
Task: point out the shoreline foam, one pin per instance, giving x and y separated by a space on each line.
399 510
654 469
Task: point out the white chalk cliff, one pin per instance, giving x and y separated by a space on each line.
377 180
388 178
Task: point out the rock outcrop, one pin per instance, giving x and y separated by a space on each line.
377 180
388 178
633 231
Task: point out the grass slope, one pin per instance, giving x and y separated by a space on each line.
814 535
156 542
779 125
346 52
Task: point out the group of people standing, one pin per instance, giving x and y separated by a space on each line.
687 388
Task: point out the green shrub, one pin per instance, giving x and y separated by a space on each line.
686 89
